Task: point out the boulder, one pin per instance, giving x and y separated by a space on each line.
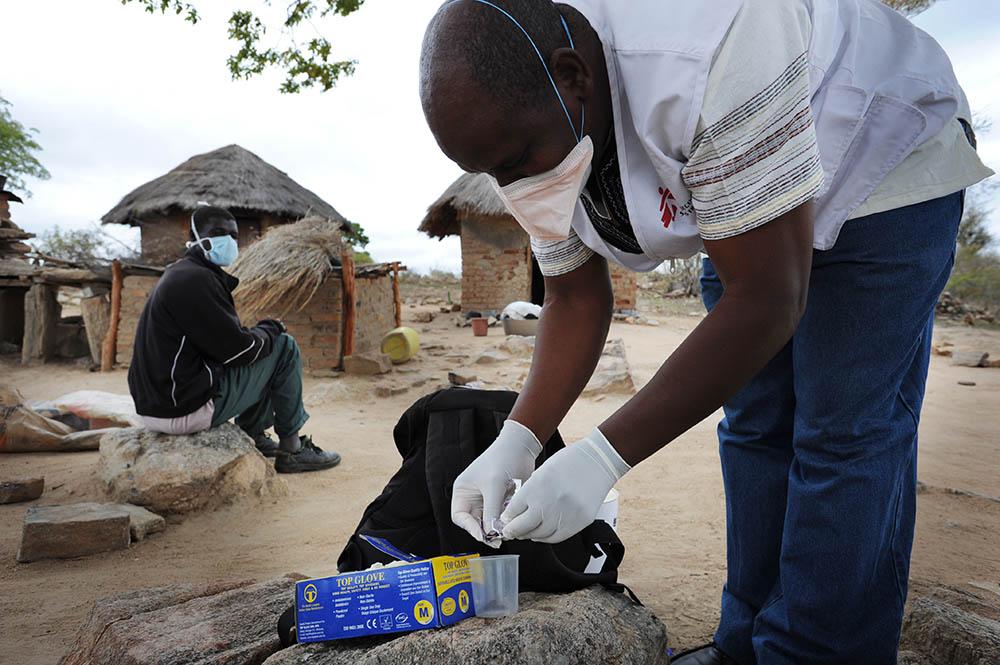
230 623
64 532
612 374
180 474
565 628
141 521
359 365
945 631
18 491
490 357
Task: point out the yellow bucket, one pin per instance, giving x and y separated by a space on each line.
401 344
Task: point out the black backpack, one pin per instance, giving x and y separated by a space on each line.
437 438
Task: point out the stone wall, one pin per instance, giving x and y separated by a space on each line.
135 293
496 264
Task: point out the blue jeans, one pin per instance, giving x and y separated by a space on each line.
819 450
267 393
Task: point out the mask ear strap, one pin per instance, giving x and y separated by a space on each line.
198 238
572 126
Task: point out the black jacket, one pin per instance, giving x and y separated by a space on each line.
188 334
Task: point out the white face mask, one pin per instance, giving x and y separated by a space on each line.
543 204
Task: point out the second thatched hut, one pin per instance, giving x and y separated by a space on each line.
497 265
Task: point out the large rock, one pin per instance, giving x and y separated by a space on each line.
589 626
521 346
63 532
18 491
613 374
379 363
141 521
224 624
945 634
180 474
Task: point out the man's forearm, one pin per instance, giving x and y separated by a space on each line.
571 334
726 350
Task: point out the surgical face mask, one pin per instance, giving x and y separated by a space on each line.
543 204
222 251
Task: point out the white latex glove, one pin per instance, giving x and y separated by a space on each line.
565 493
479 491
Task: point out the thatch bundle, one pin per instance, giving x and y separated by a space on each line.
282 271
471 195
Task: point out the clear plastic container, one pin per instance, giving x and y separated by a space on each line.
494 585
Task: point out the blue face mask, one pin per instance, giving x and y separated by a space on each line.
222 251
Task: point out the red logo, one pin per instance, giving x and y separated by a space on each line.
668 206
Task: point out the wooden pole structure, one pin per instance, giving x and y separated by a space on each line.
349 314
397 301
110 347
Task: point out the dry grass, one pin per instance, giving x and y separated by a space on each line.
282 271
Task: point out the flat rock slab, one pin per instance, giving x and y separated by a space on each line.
490 357
19 491
141 521
952 629
589 626
63 532
181 474
367 365
231 623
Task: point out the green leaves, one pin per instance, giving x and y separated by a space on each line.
17 148
307 63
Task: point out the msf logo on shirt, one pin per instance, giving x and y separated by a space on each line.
668 206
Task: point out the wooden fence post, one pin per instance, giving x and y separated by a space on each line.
110 346
397 300
349 314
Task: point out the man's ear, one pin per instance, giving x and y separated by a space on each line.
572 73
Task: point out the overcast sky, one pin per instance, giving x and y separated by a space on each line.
120 97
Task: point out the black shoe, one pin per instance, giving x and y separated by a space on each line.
267 446
307 458
706 655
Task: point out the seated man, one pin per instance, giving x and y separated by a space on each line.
195 366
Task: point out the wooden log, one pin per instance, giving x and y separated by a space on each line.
349 304
41 323
397 300
96 312
110 348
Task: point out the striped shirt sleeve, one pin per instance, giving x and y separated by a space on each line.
558 257
755 156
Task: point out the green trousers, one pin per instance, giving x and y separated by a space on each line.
267 393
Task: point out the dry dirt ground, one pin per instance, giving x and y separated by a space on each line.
672 511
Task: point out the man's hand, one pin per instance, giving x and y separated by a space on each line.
564 495
479 491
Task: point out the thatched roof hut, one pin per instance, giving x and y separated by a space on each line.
469 196
497 264
258 194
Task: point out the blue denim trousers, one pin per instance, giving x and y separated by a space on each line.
819 450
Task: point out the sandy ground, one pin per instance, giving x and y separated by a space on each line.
672 510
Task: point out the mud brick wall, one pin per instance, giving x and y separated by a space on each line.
496 264
623 283
376 312
318 327
135 293
163 239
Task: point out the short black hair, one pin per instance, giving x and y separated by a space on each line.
497 52
205 217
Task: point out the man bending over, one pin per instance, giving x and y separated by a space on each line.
195 366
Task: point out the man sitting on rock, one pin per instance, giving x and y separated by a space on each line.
195 366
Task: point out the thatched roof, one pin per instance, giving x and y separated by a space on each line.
230 177
469 196
280 272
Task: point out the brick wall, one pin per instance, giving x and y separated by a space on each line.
135 293
318 327
496 268
163 239
623 283
376 312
